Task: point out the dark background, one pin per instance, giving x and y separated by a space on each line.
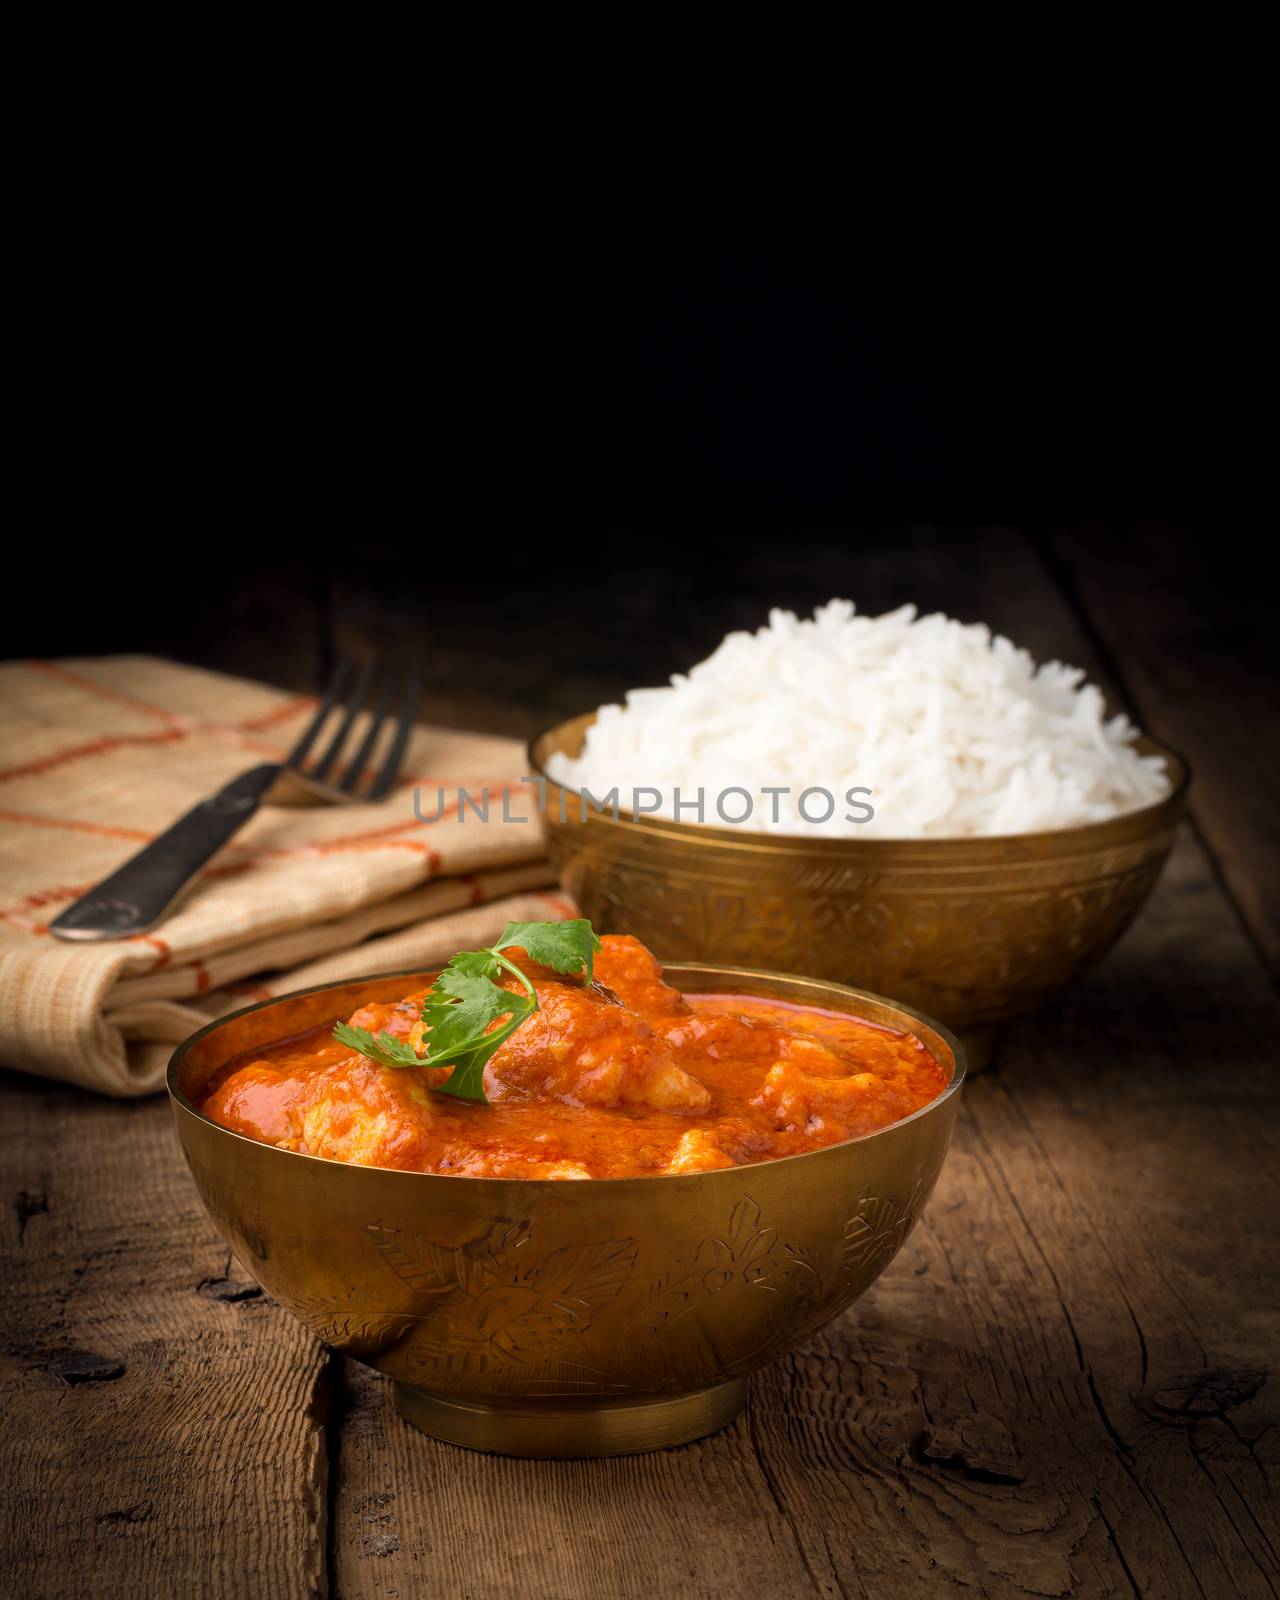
560 413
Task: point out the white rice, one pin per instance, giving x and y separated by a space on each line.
956 733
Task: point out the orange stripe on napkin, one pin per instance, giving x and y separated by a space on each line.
279 714
73 825
95 747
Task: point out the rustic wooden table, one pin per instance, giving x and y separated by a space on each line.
1060 1387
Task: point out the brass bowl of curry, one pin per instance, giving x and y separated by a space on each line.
545 1317
974 930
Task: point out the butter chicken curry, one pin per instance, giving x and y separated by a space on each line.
622 1076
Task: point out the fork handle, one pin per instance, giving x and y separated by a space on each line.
137 895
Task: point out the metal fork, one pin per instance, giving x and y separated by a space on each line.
136 896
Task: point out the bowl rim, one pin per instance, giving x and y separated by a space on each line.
181 1101
1082 833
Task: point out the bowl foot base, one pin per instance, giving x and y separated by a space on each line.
601 1428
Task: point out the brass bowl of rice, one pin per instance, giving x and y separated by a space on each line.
971 930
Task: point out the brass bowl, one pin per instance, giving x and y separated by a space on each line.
543 1318
974 931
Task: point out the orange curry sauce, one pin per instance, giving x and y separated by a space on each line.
624 1078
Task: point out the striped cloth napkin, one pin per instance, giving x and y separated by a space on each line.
97 756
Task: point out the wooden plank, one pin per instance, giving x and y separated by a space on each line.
1055 1390
1058 1389
575 626
1089 1307
1198 652
162 1425
423 1518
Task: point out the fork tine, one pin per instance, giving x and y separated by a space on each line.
408 711
354 707
337 683
361 758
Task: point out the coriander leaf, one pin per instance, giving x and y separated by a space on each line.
463 1013
459 1010
466 1081
562 946
477 963
467 1013
382 1047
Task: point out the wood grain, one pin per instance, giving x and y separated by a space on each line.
1077 1286
425 1518
154 1439
549 645
1063 1386
1083 1309
1195 640
1078 1272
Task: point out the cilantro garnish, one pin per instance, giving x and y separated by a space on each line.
466 1012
